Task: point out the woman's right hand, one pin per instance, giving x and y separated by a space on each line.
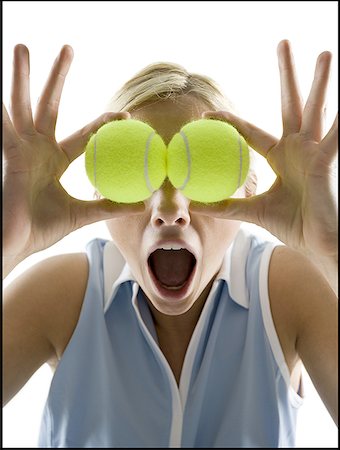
38 212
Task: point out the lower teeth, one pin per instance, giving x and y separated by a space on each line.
173 288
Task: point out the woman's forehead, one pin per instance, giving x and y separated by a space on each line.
167 117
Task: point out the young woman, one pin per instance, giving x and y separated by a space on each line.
185 330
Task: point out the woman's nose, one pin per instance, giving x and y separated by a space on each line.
169 207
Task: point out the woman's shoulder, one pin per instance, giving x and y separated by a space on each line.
42 305
291 279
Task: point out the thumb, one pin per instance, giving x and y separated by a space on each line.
243 209
87 212
74 145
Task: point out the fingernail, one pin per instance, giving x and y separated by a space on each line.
120 115
208 113
125 115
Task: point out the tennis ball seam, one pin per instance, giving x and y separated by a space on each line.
146 158
187 148
240 160
95 161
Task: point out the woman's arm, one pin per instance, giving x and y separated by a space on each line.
300 209
305 305
40 311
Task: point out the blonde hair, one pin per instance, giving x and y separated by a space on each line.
169 81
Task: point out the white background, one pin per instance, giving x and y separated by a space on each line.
232 42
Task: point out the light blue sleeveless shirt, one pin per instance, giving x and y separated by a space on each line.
113 386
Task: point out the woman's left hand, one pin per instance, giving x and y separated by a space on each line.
300 208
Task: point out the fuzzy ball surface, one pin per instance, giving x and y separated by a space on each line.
125 161
208 160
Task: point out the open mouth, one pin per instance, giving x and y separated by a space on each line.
172 271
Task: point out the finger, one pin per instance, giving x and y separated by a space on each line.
20 95
291 100
75 144
329 144
87 212
10 137
312 118
48 104
258 139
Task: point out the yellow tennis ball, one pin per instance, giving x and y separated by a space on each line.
125 161
208 160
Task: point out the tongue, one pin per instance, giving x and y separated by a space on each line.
172 267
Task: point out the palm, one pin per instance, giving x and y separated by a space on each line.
36 206
297 207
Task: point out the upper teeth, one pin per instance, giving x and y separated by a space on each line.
171 247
